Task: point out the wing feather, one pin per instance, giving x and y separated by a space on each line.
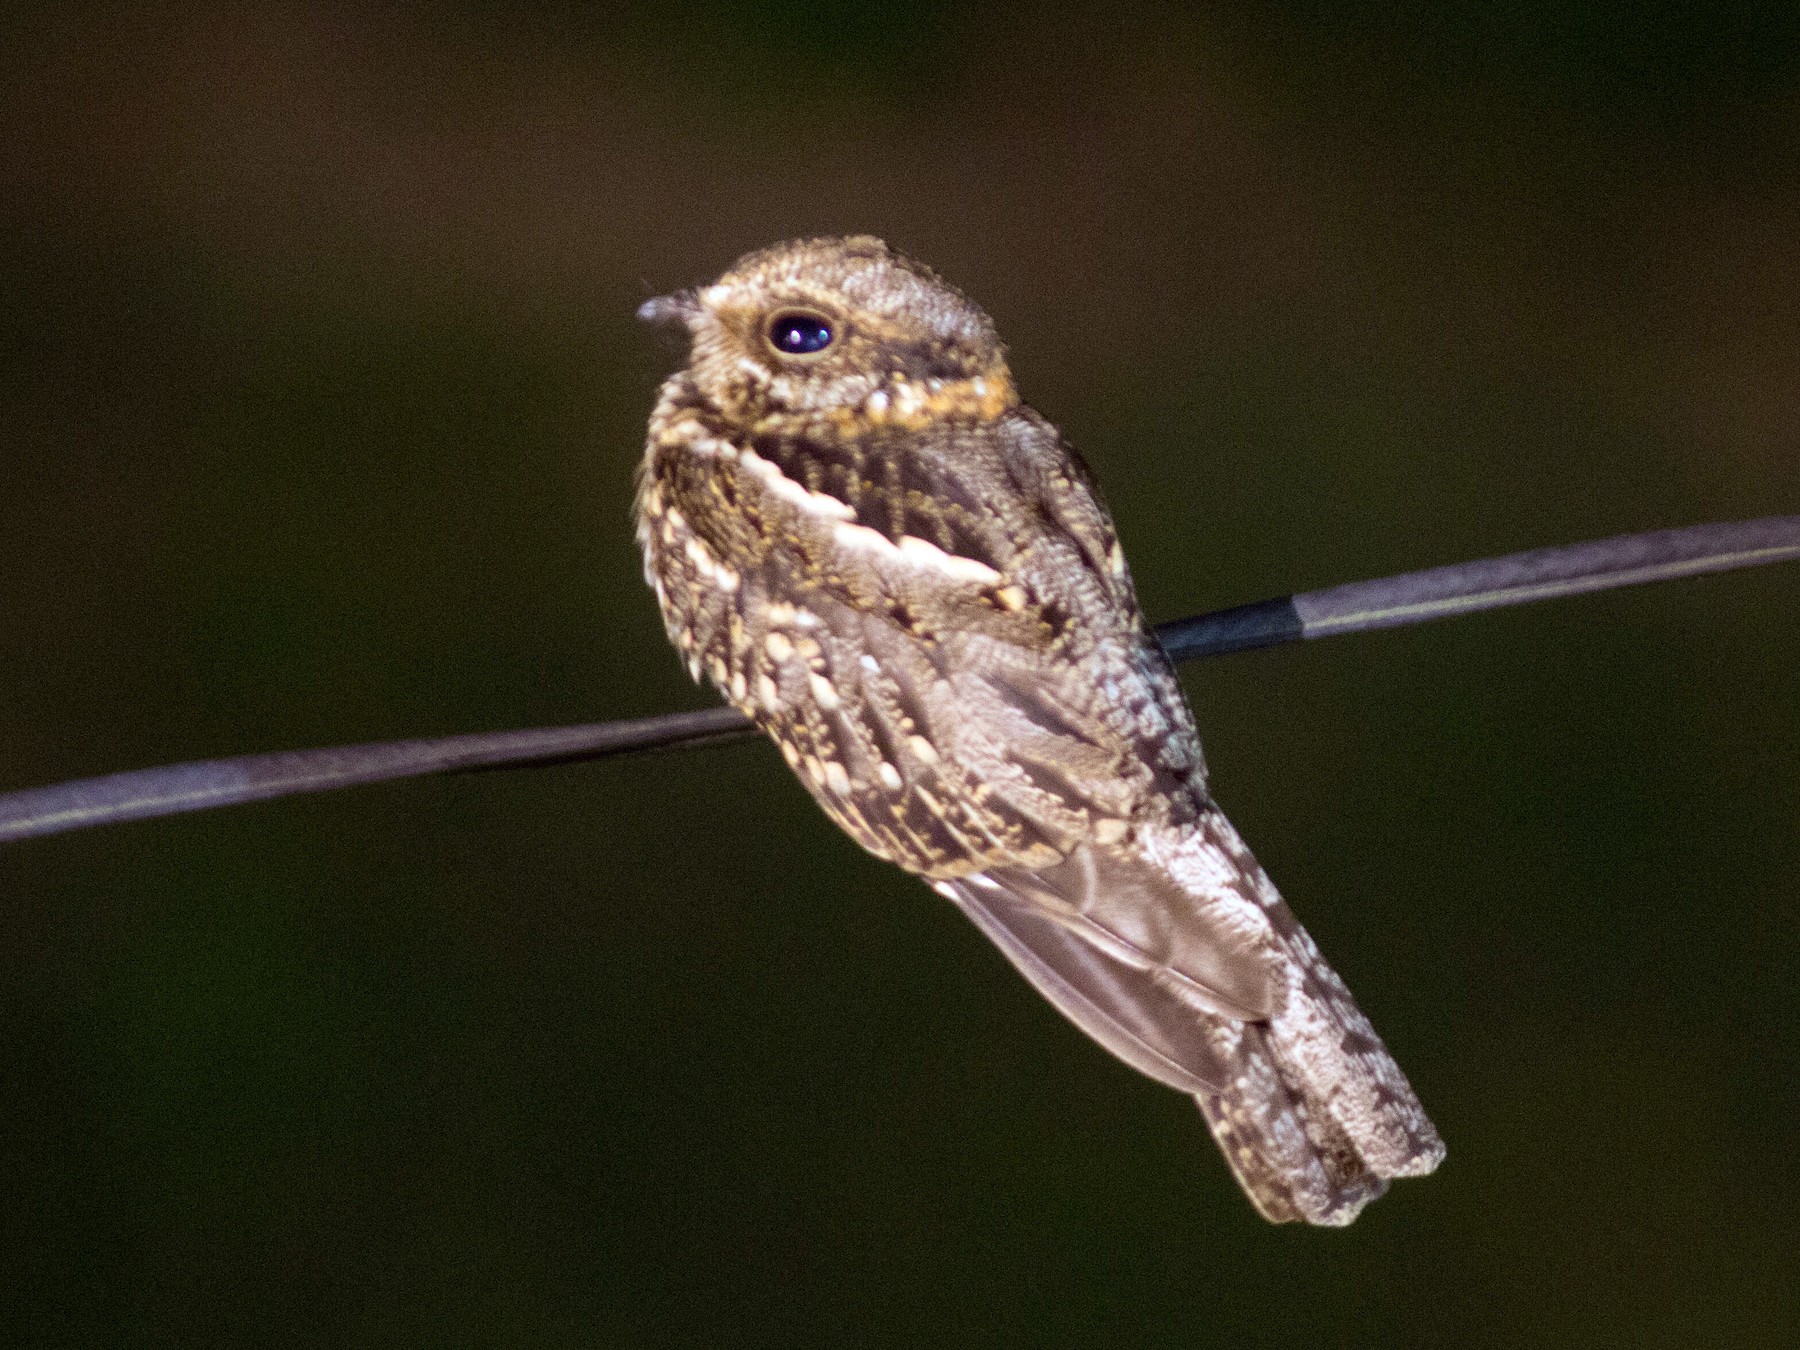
1147 1026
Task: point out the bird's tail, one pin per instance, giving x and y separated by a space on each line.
1183 960
1316 1117
1313 1133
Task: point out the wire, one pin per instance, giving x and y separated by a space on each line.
1412 597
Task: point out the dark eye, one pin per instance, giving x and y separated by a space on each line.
799 333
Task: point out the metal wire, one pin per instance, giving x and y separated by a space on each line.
1411 597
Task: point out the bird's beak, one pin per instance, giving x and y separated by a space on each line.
682 307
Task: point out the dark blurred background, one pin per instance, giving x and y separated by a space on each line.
320 398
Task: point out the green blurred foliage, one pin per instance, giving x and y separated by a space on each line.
319 404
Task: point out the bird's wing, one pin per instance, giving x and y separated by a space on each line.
1146 1025
1204 940
1143 965
1146 965
990 703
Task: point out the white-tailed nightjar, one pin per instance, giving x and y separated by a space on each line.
906 577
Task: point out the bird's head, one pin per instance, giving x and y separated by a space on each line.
838 327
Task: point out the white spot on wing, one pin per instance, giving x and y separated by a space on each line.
780 485
824 692
863 540
914 552
924 553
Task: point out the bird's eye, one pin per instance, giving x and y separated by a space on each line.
799 332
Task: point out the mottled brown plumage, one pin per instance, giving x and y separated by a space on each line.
903 574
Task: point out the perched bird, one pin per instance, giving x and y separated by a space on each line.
906 577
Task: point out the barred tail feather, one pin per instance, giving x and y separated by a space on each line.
1149 950
1316 1117
1324 1047
1294 1161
